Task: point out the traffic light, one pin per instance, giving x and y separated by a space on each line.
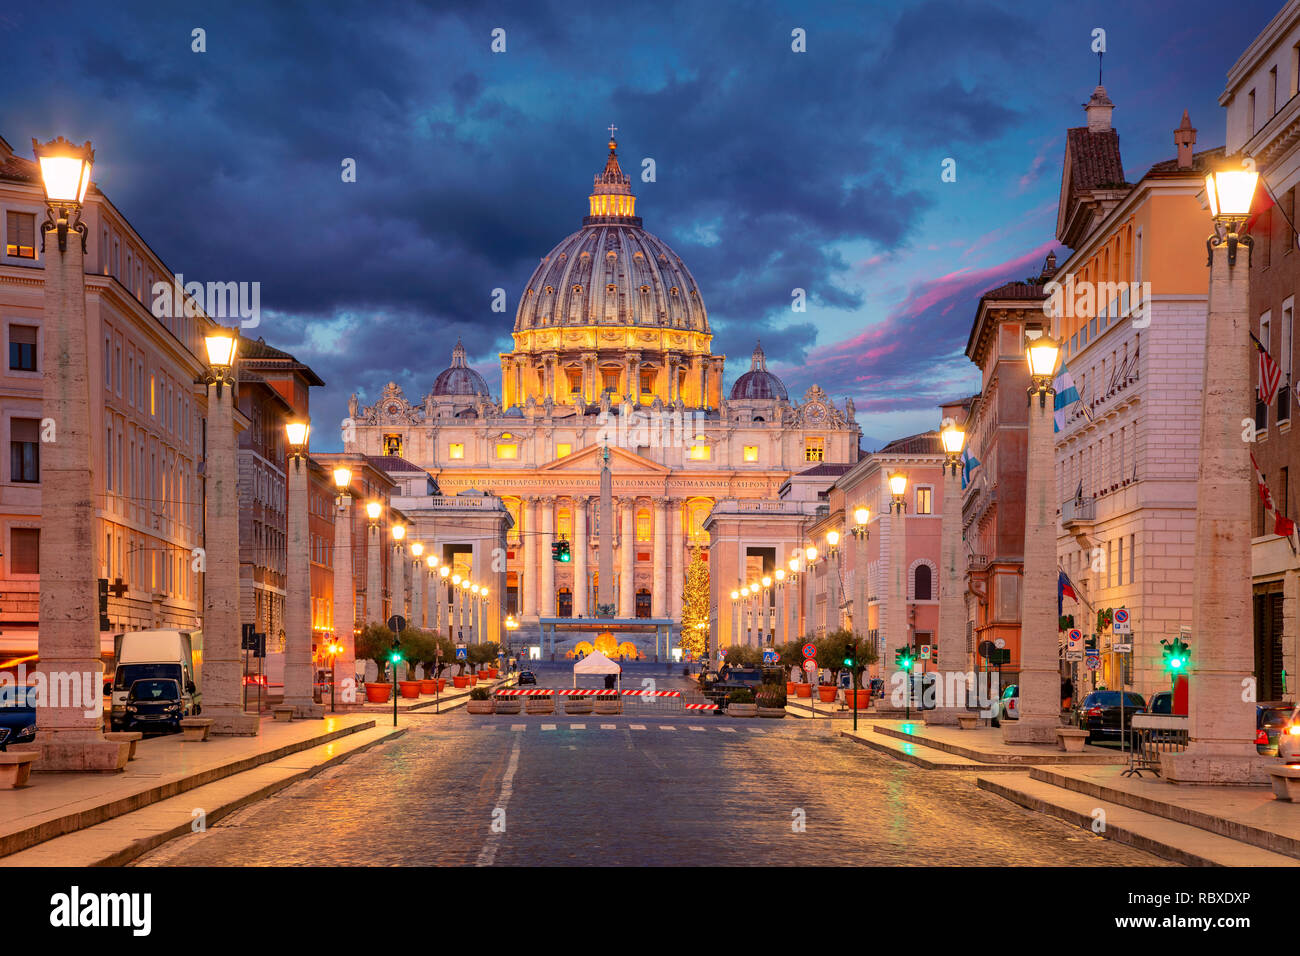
395 655
850 654
903 658
560 551
1176 655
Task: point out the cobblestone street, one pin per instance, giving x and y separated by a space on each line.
679 789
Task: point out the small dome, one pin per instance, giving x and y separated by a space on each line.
758 382
460 379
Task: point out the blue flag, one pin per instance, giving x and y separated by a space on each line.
1066 395
968 464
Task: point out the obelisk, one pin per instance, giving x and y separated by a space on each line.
605 562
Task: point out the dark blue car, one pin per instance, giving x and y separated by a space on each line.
154 705
17 715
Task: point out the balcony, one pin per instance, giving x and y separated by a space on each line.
977 562
1078 514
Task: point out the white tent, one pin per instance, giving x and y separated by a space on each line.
596 663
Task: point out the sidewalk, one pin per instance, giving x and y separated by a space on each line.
985 745
54 804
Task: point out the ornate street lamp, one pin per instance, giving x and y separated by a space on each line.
898 492
296 433
1230 193
1041 353
953 438
373 510
861 518
399 531
342 482
810 553
417 549
832 543
65 174
444 571
221 346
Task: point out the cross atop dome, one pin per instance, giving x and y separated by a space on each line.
611 199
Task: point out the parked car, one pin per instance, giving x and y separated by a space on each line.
527 677
1009 704
1161 703
1105 716
163 655
155 703
1277 730
718 688
17 715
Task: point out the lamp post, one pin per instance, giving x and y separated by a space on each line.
299 677
952 602
778 622
444 599
1040 668
810 597
69 737
1221 718
431 592
417 584
345 583
832 580
335 649
765 630
398 571
896 637
792 605
735 616
374 563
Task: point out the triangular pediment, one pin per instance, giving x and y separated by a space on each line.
621 462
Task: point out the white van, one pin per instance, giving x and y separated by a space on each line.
173 654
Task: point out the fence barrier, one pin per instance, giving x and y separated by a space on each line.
1151 735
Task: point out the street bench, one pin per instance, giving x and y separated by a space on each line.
1286 781
15 768
196 728
1071 739
283 712
968 721
126 736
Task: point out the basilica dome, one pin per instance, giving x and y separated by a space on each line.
611 272
460 379
758 382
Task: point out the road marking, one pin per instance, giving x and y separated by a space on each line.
487 726
548 726
755 730
488 854
701 729
666 727
609 727
636 726
727 730
577 726
518 726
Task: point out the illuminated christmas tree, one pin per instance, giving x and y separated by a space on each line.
695 607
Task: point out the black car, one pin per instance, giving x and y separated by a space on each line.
1272 719
154 704
17 715
1100 714
527 677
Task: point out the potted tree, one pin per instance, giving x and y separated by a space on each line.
831 652
791 654
804 687
488 660
375 642
740 703
863 657
480 701
770 700
412 650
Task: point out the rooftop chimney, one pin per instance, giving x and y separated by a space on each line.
1185 139
1049 268
1098 109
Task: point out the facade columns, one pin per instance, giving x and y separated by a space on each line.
398 571
298 676
678 555
530 569
547 607
374 573
659 588
950 641
581 544
344 609
833 567
627 559
417 592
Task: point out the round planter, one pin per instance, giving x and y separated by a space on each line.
609 707
460 680
492 673
442 684
789 688
540 705
378 693
409 688
578 705
507 705
479 707
742 710
803 690
473 679
771 711
428 687
864 698
827 693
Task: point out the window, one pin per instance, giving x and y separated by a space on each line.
456 450
644 526
393 445
507 450
923 583
699 453
1132 557
924 500
24 450
20 235
108 454
22 348
814 449
1250 113
1119 562
563 450
25 550
751 453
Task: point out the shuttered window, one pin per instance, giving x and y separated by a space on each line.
22 348
24 450
25 550
20 234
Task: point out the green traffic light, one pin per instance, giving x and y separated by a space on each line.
395 658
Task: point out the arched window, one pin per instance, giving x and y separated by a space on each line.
923 580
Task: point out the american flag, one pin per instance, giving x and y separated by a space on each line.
1270 376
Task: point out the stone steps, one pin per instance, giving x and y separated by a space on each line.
920 755
1019 755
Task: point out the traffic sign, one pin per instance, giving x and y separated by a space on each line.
810 651
769 655
999 643
1074 655
986 649
925 652
1093 661
1073 638
461 653
1122 648
397 624
1121 623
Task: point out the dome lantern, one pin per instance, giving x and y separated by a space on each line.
611 199
758 382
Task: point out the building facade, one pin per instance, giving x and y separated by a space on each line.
612 347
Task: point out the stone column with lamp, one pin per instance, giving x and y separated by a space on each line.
299 665
374 565
1221 679
834 568
950 641
344 598
580 548
397 571
896 633
417 584
546 605
69 732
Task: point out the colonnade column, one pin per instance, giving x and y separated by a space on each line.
547 605
529 570
627 562
678 556
344 610
579 547
659 603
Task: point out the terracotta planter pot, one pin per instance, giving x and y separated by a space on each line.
428 687
460 680
492 673
479 707
789 688
442 684
473 680
803 690
378 693
864 698
409 688
826 693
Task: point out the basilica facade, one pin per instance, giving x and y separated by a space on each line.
612 348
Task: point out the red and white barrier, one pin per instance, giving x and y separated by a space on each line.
699 706
581 692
